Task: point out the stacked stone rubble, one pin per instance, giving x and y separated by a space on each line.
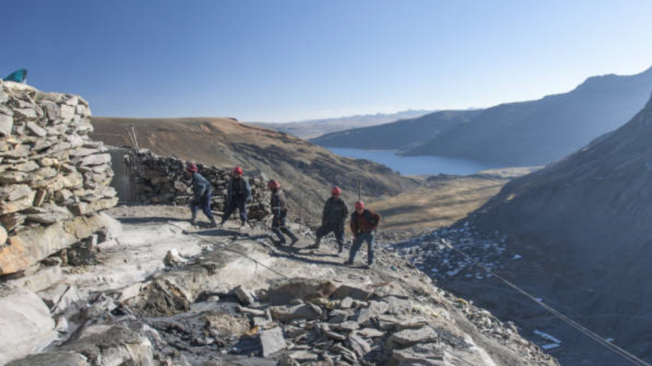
53 178
161 180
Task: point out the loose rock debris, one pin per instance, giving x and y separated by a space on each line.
214 309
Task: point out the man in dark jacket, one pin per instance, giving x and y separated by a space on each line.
238 194
203 192
332 219
279 213
363 226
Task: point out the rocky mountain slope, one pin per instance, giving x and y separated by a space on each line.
581 229
164 294
306 170
315 128
521 134
397 135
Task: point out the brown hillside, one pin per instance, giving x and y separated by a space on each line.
306 170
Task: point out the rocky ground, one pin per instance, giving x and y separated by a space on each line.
466 275
166 293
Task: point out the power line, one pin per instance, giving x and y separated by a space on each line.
616 349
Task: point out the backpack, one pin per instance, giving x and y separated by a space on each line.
367 214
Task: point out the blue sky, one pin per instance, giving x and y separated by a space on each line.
291 60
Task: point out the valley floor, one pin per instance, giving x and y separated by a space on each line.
442 200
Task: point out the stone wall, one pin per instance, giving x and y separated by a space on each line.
161 180
53 178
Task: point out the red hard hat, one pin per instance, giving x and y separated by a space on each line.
192 167
336 190
359 204
237 170
273 184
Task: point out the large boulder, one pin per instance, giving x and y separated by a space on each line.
51 358
306 289
106 345
419 355
32 245
25 324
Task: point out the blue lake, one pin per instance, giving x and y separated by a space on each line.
415 165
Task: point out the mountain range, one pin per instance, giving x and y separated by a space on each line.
515 134
314 128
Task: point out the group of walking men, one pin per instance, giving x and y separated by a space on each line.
363 222
238 194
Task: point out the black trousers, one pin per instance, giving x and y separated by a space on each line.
236 202
279 227
337 229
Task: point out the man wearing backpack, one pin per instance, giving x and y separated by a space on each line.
203 192
332 219
363 226
238 194
279 213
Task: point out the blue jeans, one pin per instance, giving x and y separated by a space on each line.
362 237
204 203
236 202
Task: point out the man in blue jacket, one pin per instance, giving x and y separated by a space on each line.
203 192
238 194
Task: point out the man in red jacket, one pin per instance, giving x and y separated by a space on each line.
363 226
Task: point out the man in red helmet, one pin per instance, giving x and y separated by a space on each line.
203 192
332 219
363 226
238 194
279 213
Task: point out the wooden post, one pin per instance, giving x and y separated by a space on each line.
359 189
301 211
133 130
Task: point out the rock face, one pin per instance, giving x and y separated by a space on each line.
161 180
53 178
584 218
595 207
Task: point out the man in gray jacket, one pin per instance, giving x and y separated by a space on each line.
333 218
280 213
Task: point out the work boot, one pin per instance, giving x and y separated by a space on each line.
340 249
293 237
193 220
213 222
348 263
316 245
